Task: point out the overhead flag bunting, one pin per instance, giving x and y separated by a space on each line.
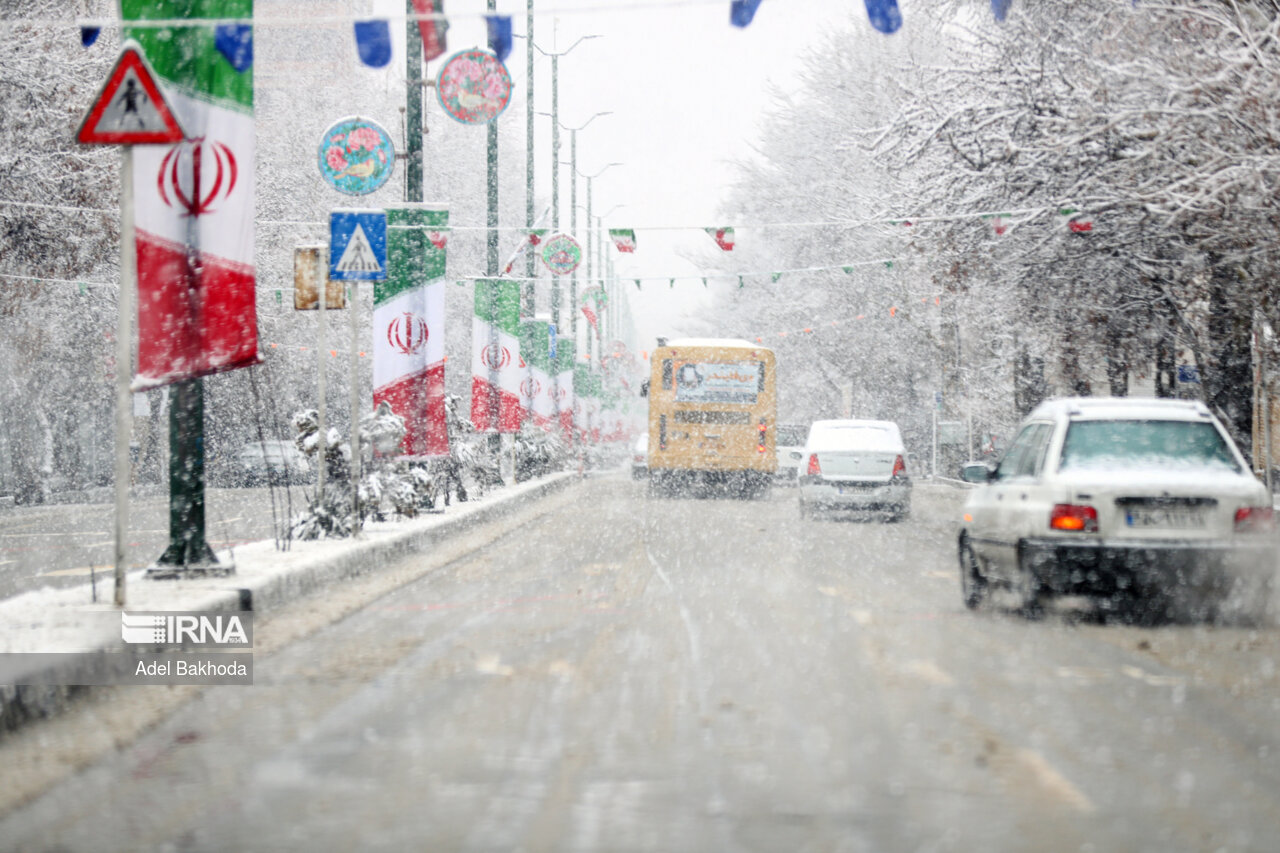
742 11
88 35
1000 8
623 238
432 30
409 330
499 35
194 202
884 15
997 222
723 237
373 42
1076 223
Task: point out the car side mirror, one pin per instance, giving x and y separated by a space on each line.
796 455
977 472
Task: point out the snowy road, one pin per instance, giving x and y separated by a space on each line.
700 675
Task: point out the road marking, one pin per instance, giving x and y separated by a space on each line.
1154 680
946 576
78 570
1055 782
492 665
862 617
928 671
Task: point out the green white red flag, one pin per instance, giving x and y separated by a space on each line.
1077 222
537 391
496 366
624 239
409 326
194 201
723 237
565 396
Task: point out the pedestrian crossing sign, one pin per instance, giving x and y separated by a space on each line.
130 109
358 245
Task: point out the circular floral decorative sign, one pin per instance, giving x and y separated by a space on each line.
473 86
356 156
562 254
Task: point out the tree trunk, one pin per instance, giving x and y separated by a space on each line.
1029 386
1228 377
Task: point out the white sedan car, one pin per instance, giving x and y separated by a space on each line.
855 465
1145 503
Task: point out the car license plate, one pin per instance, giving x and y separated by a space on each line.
1173 518
854 490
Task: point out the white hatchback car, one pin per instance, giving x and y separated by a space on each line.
855 465
1146 503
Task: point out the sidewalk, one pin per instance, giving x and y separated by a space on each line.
79 637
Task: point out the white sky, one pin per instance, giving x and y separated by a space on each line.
687 93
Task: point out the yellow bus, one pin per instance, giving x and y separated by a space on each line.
712 415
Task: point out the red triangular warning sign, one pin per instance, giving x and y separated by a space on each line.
130 109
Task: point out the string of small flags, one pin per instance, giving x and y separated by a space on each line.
830 324
373 35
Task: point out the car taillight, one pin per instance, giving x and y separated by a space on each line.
815 470
1074 517
1255 519
760 444
899 468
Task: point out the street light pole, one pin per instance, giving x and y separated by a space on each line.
530 270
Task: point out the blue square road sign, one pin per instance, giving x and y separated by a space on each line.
358 245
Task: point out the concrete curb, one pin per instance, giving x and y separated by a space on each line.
85 638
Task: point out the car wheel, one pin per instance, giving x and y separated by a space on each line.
1029 593
973 583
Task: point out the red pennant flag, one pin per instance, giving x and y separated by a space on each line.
432 31
591 317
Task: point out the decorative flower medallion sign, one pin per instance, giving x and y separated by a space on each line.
561 253
356 156
473 86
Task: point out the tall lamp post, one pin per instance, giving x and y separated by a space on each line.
593 235
603 262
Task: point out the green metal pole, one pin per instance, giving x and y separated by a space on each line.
413 107
188 551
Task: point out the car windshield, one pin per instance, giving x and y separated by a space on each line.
1131 444
791 436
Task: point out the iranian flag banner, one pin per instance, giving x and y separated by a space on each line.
496 366
624 239
567 395
408 328
587 404
193 202
536 391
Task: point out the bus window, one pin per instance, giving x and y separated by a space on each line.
666 374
